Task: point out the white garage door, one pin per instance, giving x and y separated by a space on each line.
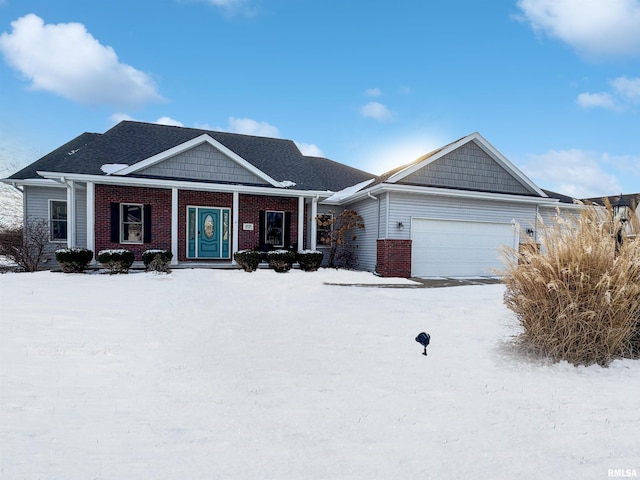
448 248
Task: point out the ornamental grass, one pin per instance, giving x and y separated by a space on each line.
577 294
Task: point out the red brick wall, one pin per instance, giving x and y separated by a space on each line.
196 199
160 201
393 258
250 207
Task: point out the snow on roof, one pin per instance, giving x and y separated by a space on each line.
110 168
347 192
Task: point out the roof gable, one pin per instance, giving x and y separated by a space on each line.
201 158
470 163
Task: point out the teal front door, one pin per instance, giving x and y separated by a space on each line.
208 232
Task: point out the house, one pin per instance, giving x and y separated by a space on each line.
205 195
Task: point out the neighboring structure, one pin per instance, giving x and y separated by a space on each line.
205 195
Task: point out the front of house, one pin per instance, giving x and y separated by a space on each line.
205 195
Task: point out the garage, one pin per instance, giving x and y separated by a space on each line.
454 248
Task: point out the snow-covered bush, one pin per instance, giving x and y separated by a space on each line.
73 260
578 296
281 260
309 260
116 261
157 260
248 259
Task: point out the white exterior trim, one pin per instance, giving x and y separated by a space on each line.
71 214
235 226
91 218
448 192
183 147
174 226
314 225
300 223
181 184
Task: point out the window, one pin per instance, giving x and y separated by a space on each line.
131 223
274 228
324 228
57 220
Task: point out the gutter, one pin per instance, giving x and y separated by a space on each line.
183 184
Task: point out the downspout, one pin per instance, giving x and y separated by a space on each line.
377 228
378 216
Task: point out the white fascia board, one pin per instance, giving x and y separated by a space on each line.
447 192
34 182
184 185
183 147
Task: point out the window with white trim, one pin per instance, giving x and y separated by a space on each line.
58 220
274 228
131 223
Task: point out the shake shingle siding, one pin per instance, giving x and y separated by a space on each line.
203 162
467 168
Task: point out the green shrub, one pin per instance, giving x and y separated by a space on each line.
281 260
116 261
248 259
575 297
309 260
157 260
73 260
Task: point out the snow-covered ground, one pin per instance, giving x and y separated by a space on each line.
212 374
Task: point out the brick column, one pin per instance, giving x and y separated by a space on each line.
393 258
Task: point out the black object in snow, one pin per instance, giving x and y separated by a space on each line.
423 339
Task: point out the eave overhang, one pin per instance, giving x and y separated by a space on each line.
183 185
453 193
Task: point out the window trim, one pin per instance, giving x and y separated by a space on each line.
282 232
320 229
52 220
122 223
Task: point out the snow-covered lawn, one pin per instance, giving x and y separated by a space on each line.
213 374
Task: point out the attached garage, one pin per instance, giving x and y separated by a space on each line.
454 248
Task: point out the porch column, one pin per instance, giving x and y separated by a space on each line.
91 219
235 227
174 225
300 223
71 214
314 225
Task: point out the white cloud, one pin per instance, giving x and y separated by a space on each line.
628 88
597 100
169 121
625 91
574 172
310 149
67 60
248 126
233 7
373 92
377 111
594 28
120 117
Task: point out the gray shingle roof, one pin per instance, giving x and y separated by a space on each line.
130 142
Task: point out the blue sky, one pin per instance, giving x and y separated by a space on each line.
552 84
